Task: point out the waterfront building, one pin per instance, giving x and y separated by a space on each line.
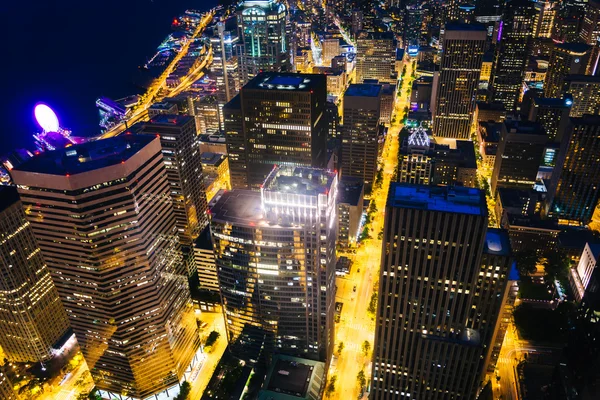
565 59
512 51
361 132
427 342
376 57
463 48
102 214
574 189
277 119
262 33
184 171
32 318
519 155
275 257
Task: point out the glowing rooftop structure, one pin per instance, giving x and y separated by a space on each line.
52 137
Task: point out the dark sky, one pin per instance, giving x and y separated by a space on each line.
69 52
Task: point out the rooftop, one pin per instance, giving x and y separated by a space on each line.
87 156
577 48
170 119
299 180
459 200
457 26
363 90
515 198
350 190
237 206
490 131
287 81
293 378
583 78
209 158
550 102
8 196
497 242
524 127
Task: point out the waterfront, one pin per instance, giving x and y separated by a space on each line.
69 53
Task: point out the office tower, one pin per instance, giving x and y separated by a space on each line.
103 218
6 388
276 119
464 45
361 132
455 165
466 13
357 22
413 21
553 115
261 26
488 136
581 275
565 59
375 57
513 49
350 210
331 48
425 346
451 11
416 158
275 255
205 263
184 171
574 190
544 18
225 66
388 102
585 91
590 27
519 154
32 319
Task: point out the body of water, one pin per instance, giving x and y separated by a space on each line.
67 53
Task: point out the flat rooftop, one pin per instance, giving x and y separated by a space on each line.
350 190
214 159
524 127
550 102
299 180
169 119
363 90
87 156
459 200
457 26
497 242
8 196
238 206
293 378
287 82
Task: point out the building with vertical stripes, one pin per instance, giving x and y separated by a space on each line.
375 56
275 256
6 388
462 56
32 318
102 214
430 341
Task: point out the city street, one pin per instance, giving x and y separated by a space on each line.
356 326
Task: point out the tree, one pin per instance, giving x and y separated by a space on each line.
340 348
362 380
556 265
184 391
372 303
331 386
526 261
212 338
366 347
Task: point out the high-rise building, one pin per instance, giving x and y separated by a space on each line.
205 263
357 22
103 218
225 66
6 388
544 18
278 118
275 255
32 318
375 57
262 30
184 171
428 342
553 115
350 210
416 158
331 48
590 27
565 59
361 132
513 50
413 21
585 91
464 45
519 154
575 187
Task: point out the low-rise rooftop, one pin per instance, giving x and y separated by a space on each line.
293 378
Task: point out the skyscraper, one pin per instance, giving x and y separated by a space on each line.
463 49
275 256
544 19
6 388
103 218
590 27
32 318
427 344
184 171
585 91
361 132
565 59
416 158
276 119
261 25
552 114
574 189
513 49
375 56
519 154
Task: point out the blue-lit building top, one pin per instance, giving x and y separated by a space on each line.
459 200
363 90
497 242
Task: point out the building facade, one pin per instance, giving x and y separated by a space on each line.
103 218
464 45
375 57
275 255
565 59
32 318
